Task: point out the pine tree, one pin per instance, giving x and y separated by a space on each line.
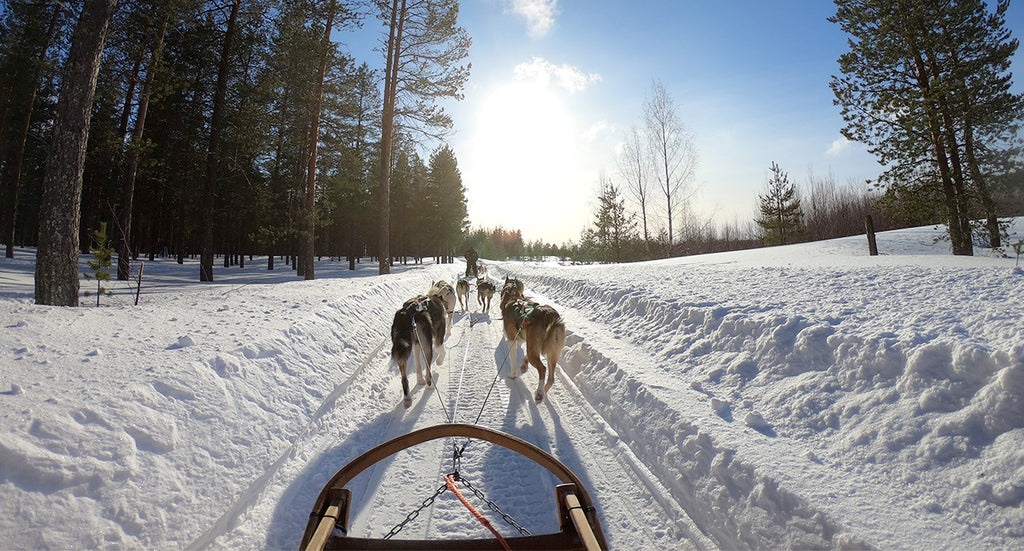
444 181
102 255
56 279
614 231
925 86
781 216
424 53
25 41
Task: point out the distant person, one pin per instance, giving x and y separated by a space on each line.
471 258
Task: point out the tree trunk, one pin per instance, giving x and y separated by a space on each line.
387 132
17 159
213 154
309 225
966 245
961 244
132 162
56 280
987 203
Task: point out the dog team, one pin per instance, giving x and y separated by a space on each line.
422 324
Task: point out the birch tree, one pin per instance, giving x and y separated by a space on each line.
633 167
673 152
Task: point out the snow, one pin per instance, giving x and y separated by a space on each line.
807 396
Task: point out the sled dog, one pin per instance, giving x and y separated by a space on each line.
446 293
418 333
540 327
484 293
462 289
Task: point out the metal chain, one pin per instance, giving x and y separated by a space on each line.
491 505
412 516
457 453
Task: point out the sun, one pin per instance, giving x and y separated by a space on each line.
524 141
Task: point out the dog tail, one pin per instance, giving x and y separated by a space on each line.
554 340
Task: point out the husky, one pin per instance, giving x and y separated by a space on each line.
484 293
444 291
462 289
540 327
418 331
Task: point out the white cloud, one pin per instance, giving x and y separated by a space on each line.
539 14
544 72
838 146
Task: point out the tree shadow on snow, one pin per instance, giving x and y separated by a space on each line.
291 514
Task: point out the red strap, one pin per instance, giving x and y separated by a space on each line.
484 521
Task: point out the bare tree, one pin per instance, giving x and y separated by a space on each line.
60 212
633 168
673 153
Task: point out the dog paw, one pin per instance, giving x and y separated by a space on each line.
539 396
524 367
407 402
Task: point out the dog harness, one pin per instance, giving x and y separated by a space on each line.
415 306
526 310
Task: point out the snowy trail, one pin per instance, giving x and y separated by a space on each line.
646 515
807 396
565 425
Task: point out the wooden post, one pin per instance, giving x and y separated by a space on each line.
138 287
869 226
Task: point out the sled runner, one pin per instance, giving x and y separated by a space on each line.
579 527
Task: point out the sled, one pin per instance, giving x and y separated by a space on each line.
579 527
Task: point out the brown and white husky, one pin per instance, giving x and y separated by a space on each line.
446 293
418 331
462 289
484 293
540 327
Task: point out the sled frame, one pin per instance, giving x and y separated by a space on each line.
579 525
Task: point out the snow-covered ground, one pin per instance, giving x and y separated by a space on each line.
807 396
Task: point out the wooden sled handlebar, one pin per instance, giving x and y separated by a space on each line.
580 528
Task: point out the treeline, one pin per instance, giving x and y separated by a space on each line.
501 244
828 210
239 123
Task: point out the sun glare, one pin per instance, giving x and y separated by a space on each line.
525 142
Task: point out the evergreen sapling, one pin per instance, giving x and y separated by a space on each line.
102 254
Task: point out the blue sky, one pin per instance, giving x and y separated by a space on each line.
555 85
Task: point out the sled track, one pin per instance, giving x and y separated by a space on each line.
565 424
682 526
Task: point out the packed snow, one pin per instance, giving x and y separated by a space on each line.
806 396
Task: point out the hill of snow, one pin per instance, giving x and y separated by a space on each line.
807 396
